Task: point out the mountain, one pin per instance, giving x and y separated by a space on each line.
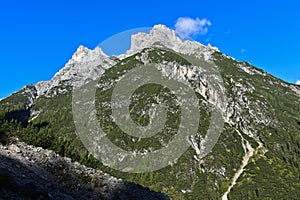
256 156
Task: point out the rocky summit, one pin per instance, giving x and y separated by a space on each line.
256 154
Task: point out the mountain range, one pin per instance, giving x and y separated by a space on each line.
256 156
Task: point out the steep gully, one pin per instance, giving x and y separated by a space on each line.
249 152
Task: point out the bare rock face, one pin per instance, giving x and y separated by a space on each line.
28 172
84 65
162 36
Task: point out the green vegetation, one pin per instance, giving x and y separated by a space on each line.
276 174
273 175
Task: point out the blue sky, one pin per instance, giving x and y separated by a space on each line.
38 37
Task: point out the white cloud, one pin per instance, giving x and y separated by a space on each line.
298 82
186 26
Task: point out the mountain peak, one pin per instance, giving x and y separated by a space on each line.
85 64
162 35
163 32
80 53
83 52
159 34
161 27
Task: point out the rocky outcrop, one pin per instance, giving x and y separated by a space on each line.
28 172
85 65
162 36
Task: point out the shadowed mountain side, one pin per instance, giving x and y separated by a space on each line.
27 172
